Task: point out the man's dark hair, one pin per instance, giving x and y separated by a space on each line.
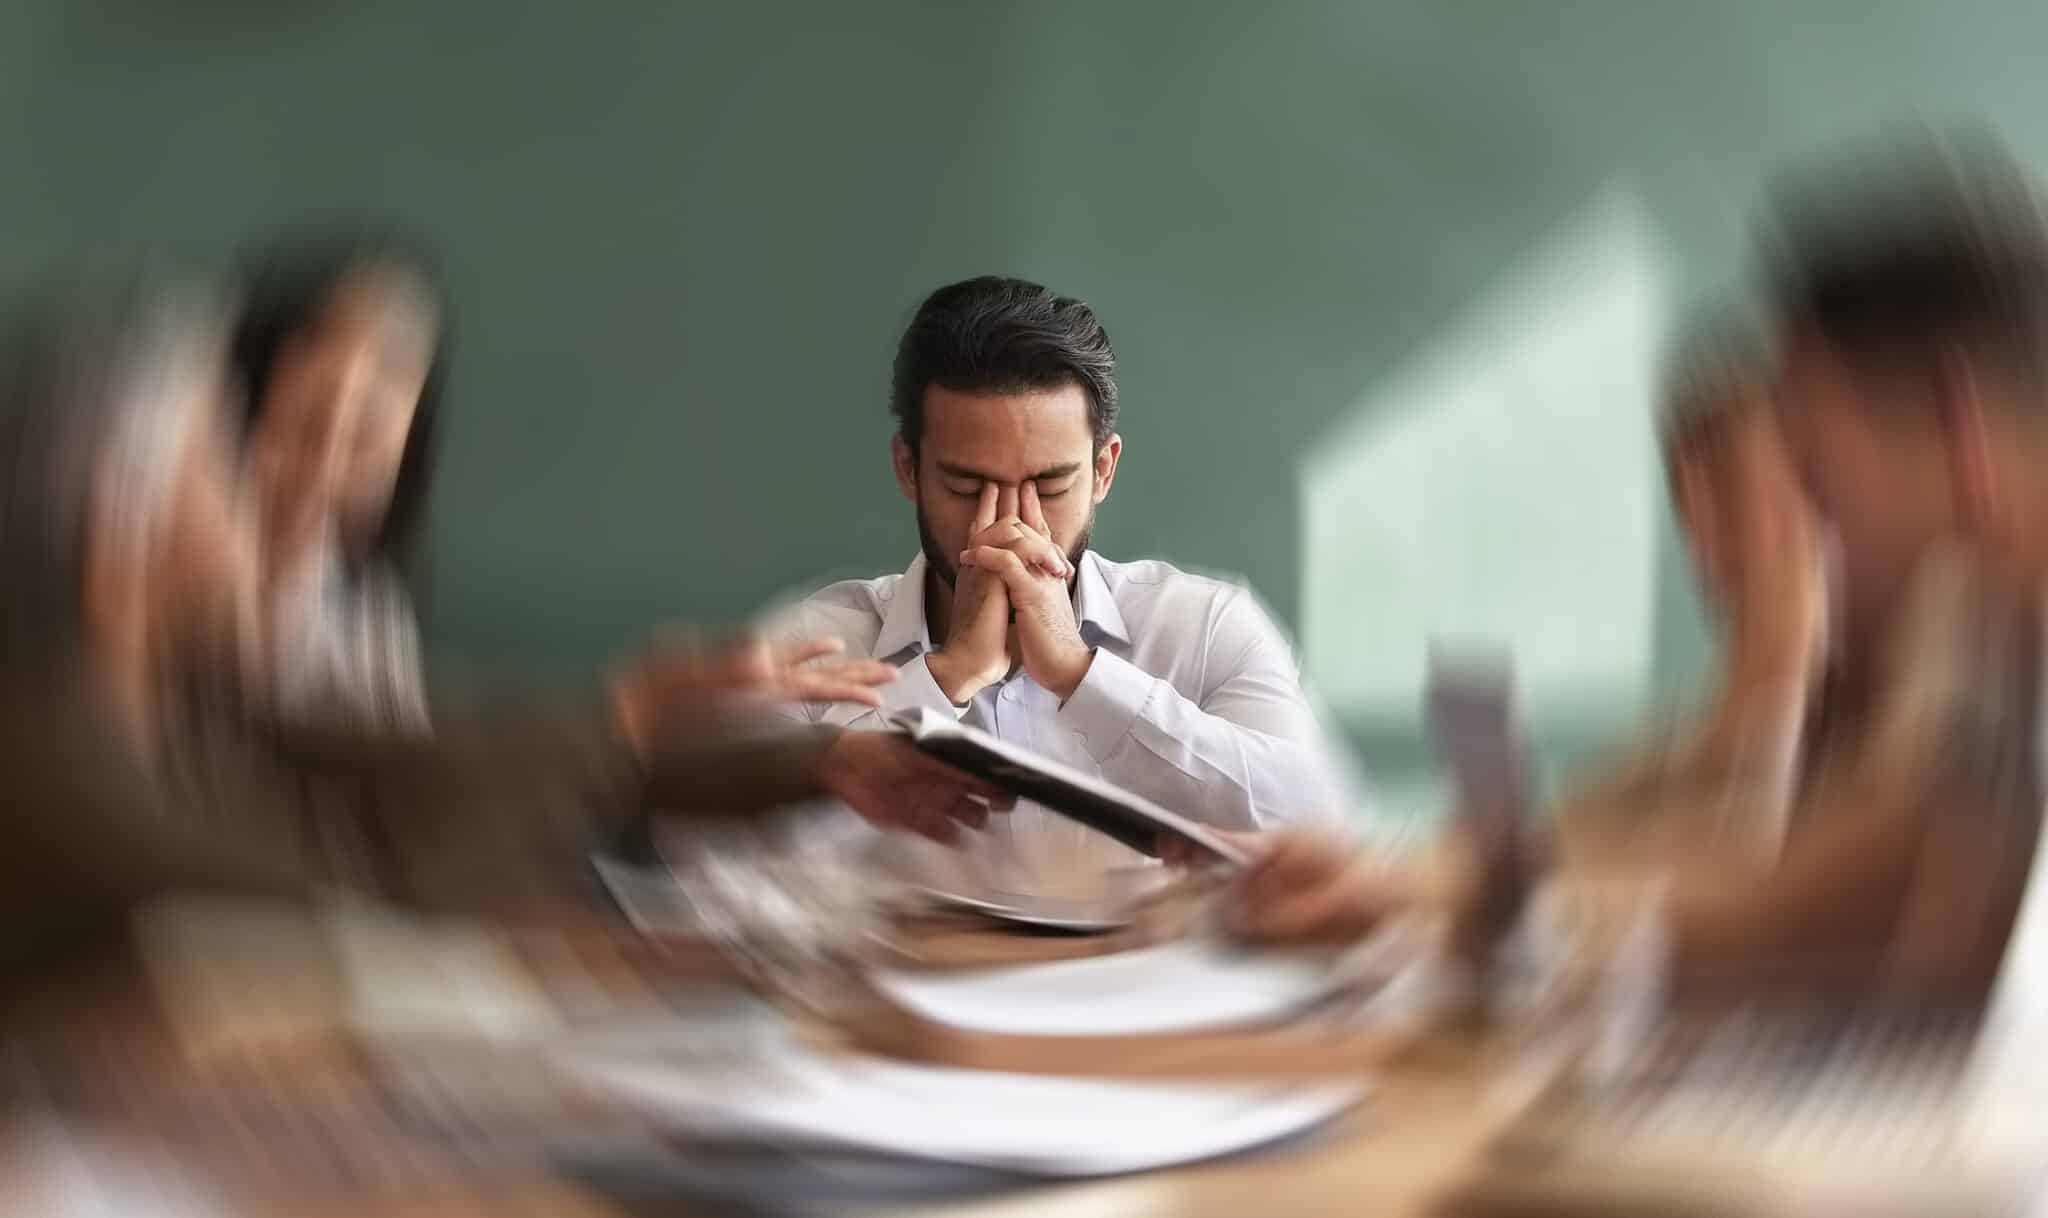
1923 242
996 335
292 280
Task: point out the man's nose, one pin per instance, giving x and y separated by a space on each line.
1007 500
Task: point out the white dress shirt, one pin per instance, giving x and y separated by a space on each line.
1193 700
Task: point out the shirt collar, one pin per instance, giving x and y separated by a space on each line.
903 625
904 628
1095 605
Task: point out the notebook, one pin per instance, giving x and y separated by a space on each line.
1132 819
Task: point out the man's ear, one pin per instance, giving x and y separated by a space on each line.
905 461
1105 465
1980 499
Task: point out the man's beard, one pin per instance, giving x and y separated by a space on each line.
947 565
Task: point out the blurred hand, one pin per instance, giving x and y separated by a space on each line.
977 651
1780 587
892 785
1020 552
1176 851
1313 888
682 673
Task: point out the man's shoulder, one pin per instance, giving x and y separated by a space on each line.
1157 579
874 592
848 609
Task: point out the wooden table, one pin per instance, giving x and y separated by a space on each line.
1426 1120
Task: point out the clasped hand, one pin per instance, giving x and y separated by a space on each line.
1012 603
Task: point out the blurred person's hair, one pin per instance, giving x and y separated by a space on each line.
91 430
997 335
1919 243
290 282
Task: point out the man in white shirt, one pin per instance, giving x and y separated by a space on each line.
1172 685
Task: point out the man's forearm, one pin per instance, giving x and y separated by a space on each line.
1148 738
738 766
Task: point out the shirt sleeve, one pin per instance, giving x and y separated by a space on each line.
1250 754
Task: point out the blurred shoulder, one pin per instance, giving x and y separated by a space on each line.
851 610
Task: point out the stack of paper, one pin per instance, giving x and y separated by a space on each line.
800 1097
1176 987
787 1094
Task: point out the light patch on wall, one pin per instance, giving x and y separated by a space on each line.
1503 488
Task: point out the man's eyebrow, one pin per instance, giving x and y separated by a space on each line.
951 470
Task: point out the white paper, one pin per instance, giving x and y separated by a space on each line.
1175 987
1045 1125
412 976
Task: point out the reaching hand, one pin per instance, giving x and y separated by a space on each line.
684 673
890 784
1019 550
1308 887
1177 851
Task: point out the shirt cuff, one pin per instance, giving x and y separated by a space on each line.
1106 703
914 687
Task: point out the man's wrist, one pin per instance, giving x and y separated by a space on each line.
958 686
1069 672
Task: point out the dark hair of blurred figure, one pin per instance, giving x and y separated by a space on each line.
342 351
1896 251
352 309
999 335
1909 285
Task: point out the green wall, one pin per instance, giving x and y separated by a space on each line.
683 236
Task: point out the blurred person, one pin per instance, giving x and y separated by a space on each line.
1911 303
132 559
1728 780
342 351
1175 686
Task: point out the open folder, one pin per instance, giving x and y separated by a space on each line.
1132 819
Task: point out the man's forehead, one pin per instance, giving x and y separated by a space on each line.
1014 435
